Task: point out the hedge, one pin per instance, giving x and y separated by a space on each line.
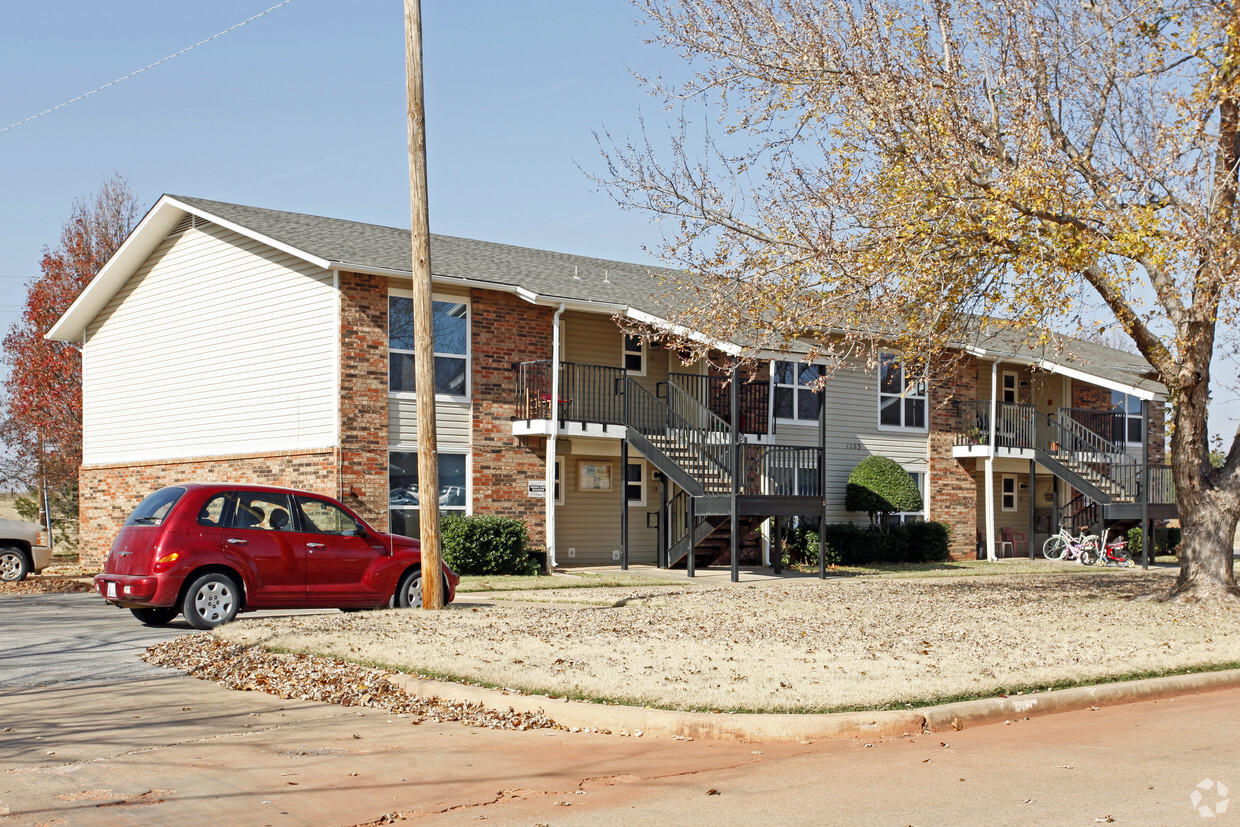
848 544
480 544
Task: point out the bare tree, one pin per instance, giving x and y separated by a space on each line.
904 169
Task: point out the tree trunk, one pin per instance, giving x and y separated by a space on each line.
1208 519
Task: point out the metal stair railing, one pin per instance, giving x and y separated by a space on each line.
683 439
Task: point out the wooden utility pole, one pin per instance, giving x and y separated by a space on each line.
423 316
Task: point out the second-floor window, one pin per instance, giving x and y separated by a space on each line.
634 355
451 343
1128 428
794 396
901 396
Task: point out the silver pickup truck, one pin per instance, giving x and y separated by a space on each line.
22 550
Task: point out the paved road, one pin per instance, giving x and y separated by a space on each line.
123 747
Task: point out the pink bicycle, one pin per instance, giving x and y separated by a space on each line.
1063 546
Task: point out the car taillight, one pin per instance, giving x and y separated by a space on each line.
164 563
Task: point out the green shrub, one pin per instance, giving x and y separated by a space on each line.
853 545
879 486
1165 541
486 545
928 542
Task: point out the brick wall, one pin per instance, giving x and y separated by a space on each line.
505 330
1090 397
364 396
953 490
110 492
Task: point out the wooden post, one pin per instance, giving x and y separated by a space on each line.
423 315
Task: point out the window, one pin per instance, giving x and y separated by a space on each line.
634 355
635 484
259 510
1128 428
451 343
919 477
325 518
404 500
1007 493
155 507
794 475
793 397
559 477
1009 387
901 400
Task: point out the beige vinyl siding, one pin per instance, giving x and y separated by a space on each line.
852 434
1017 520
589 521
231 344
595 339
453 421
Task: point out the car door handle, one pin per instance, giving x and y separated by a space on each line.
314 545
236 541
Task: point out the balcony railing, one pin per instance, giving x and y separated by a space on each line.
587 393
715 393
1016 425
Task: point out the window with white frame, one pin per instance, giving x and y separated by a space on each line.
1009 387
1007 493
404 498
794 475
794 397
901 398
634 355
919 477
450 331
635 484
1130 426
559 481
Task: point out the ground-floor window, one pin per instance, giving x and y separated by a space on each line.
919 477
1007 493
404 500
635 484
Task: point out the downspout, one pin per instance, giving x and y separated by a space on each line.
990 462
553 408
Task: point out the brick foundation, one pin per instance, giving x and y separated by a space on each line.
504 331
110 492
953 490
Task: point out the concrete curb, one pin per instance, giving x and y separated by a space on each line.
815 727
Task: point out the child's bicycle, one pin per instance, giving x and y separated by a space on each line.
1063 546
1113 553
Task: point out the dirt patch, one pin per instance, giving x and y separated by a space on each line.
805 646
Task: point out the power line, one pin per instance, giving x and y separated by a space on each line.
148 66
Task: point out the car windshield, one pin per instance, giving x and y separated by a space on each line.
155 508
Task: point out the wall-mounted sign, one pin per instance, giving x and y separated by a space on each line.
538 489
593 476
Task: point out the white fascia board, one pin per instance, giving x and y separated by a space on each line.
681 330
133 253
1110 384
241 229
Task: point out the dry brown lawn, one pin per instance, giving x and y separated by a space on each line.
795 646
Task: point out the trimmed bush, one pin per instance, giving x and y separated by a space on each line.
849 544
879 486
928 542
486 545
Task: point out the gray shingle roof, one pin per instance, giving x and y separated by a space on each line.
372 247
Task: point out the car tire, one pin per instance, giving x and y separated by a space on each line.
14 564
409 592
157 616
211 600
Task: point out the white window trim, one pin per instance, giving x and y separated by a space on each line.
796 400
645 472
1130 416
878 411
469 479
925 500
561 470
469 346
625 353
1015 389
1003 494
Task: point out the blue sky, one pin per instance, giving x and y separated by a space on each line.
304 110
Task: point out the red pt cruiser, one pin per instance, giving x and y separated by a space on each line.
209 551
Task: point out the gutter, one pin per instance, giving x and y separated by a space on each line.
553 408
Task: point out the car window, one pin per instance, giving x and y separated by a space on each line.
325 518
261 510
212 513
156 507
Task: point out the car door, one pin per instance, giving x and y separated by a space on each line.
344 566
259 533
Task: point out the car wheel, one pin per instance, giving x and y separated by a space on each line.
409 592
159 616
14 564
211 600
